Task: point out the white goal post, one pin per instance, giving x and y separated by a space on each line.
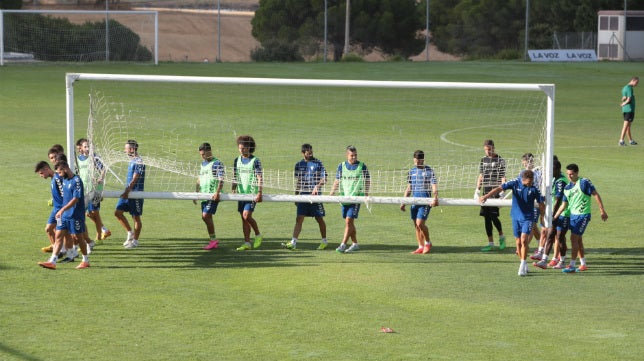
545 155
143 24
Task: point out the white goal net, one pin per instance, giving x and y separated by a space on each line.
170 116
78 36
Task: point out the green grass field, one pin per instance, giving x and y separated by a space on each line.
169 300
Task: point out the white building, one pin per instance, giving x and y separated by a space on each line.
620 35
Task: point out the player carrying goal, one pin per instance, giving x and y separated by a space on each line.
211 180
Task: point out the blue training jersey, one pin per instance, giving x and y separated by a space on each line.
308 174
421 180
57 191
523 199
136 166
73 188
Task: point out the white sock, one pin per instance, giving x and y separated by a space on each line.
582 261
324 240
85 258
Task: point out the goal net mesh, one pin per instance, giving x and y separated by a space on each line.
386 125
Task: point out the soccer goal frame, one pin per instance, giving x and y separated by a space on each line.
547 156
106 14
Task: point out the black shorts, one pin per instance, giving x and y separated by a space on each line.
489 211
629 117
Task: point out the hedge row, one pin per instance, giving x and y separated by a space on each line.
57 39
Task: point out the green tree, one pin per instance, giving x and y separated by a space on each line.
390 25
11 4
485 28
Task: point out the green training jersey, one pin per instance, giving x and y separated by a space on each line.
208 181
245 176
578 201
627 91
83 172
352 181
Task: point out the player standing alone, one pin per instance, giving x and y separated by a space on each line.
628 110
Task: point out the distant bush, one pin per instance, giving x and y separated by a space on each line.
276 50
65 41
352 58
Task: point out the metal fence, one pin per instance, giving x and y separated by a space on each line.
574 40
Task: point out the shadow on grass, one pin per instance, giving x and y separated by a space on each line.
19 355
188 254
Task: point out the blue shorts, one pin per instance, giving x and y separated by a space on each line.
132 206
521 226
71 225
209 207
310 209
419 211
350 210
246 206
578 223
562 223
52 215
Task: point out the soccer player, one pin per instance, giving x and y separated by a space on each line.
527 160
628 110
491 174
211 180
83 164
57 154
44 170
524 194
134 182
310 177
70 217
248 179
555 234
577 197
353 179
421 182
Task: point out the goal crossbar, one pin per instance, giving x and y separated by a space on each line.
307 198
